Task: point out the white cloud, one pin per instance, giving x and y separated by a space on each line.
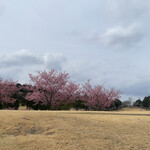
118 36
54 60
19 58
122 36
17 65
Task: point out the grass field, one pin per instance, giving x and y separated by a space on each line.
75 130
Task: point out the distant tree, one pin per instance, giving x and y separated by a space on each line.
116 104
127 103
146 102
80 104
137 103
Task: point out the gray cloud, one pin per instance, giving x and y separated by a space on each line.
122 36
118 36
128 11
140 88
24 58
19 58
54 60
17 65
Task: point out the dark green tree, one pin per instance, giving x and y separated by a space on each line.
116 104
146 102
137 103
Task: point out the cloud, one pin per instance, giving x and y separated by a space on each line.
122 36
54 60
17 65
100 72
25 58
121 72
19 58
140 88
121 11
118 36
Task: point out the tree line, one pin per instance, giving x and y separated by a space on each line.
53 90
143 104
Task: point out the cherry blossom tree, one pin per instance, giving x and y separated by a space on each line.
47 87
97 97
22 93
52 90
69 94
8 89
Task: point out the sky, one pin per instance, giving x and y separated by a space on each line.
105 41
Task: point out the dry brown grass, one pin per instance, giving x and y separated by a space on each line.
74 130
